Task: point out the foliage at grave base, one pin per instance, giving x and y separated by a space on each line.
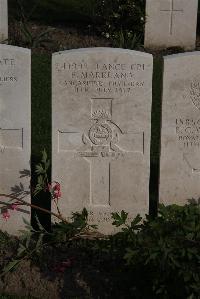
122 21
156 258
33 242
163 254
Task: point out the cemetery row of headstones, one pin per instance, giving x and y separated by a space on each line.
101 123
169 23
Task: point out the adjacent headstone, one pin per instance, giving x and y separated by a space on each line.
3 20
15 133
101 131
171 23
180 135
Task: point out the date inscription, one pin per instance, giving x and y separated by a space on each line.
101 78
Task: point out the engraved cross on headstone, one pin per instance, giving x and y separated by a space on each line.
193 161
104 142
173 11
11 139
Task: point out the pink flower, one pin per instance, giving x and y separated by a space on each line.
57 186
54 189
62 266
14 207
57 194
6 215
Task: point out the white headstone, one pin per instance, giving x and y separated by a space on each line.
171 23
180 135
15 131
101 131
3 20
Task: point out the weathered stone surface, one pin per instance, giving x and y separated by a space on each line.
3 20
180 140
171 23
15 131
101 131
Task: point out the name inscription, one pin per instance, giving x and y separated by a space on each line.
102 78
188 132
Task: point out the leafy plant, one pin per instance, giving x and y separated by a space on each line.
32 242
127 39
63 232
4 240
29 38
34 40
163 248
161 256
122 21
42 173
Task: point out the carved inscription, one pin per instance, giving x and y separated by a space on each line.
104 138
102 78
194 93
188 132
100 145
101 216
188 128
7 62
7 68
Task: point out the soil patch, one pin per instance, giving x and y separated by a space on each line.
64 271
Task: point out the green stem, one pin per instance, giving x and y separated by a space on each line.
59 216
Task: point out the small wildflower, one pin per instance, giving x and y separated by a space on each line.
57 194
62 266
14 207
57 186
6 215
54 190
